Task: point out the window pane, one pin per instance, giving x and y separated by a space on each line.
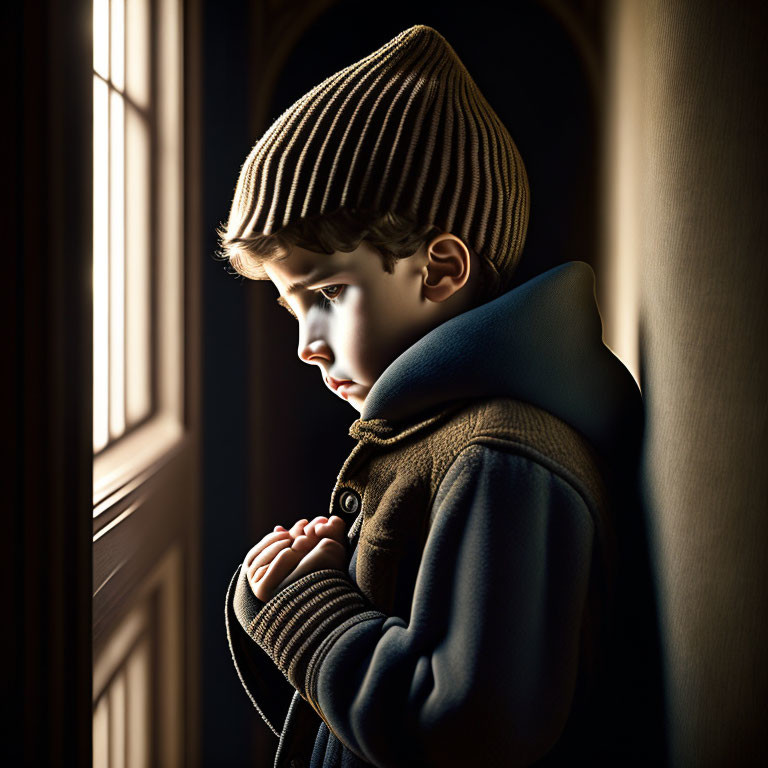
101 734
101 37
137 266
137 53
117 268
138 678
117 722
100 264
117 44
170 197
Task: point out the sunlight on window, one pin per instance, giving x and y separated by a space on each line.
138 394
137 58
117 721
138 680
122 679
122 247
171 195
138 374
101 38
101 733
117 44
100 264
117 268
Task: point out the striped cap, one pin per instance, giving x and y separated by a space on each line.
404 130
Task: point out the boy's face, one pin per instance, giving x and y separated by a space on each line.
354 318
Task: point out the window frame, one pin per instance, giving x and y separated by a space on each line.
146 491
144 448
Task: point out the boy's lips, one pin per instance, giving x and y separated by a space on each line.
334 384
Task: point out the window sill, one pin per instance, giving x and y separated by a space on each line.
121 466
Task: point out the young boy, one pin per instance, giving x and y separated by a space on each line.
451 609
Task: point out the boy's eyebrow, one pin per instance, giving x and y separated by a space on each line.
320 273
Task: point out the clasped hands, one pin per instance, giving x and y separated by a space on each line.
284 556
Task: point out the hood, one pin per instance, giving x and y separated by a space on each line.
540 343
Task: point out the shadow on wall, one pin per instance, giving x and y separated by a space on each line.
703 277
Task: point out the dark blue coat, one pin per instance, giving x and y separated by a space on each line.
473 624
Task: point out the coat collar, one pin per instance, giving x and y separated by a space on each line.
388 432
540 343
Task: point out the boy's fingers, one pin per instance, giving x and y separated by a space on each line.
303 544
298 528
260 571
273 572
266 556
280 528
269 539
333 529
327 554
277 570
311 528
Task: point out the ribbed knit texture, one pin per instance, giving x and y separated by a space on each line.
404 129
291 626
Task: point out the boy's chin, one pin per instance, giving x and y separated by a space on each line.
356 402
353 393
355 396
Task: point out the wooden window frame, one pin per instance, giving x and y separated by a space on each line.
146 504
48 550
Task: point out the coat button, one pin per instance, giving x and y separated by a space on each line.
349 502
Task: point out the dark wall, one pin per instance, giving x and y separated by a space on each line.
46 427
228 717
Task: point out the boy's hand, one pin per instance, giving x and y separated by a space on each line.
283 556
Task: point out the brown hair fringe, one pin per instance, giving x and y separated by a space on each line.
393 235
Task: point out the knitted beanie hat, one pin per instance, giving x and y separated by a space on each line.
405 130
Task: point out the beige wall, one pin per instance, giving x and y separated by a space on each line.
685 307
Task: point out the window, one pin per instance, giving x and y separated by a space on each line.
137 238
145 438
122 254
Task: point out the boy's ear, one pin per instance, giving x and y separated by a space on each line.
447 267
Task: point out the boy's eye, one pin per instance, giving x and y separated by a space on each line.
331 292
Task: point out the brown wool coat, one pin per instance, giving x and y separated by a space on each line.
396 472
389 483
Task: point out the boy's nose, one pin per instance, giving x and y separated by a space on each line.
315 352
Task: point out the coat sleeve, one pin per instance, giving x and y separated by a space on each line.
484 671
265 685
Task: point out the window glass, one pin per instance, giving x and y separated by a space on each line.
122 226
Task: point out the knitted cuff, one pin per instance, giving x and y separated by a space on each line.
293 624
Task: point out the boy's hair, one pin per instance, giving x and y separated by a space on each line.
393 148
394 236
